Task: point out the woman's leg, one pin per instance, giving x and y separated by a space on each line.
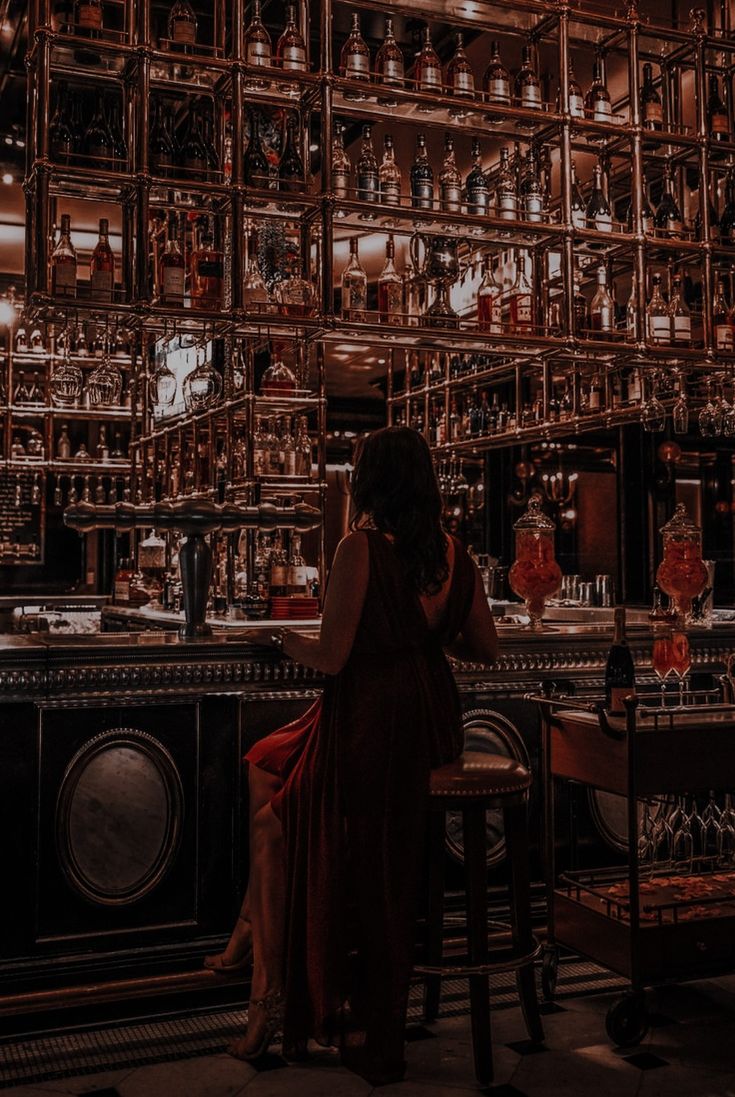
262 786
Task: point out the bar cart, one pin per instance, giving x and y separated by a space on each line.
668 913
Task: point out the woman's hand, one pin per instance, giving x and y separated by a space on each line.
265 637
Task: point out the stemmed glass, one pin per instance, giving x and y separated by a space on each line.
710 417
680 410
681 660
726 833
683 842
662 659
653 413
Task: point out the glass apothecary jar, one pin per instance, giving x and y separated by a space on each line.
682 573
535 574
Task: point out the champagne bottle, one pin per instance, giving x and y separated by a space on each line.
652 113
668 215
341 166
719 123
597 101
602 306
291 166
619 670
527 84
477 189
599 213
368 178
256 169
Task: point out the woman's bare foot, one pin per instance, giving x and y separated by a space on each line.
238 954
265 1024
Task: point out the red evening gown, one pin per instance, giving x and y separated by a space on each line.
354 804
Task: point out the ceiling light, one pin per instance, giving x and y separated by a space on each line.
7 178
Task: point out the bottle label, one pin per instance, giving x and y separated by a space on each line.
122 590
477 200
279 575
724 337
463 81
391 299
340 183
367 186
294 58
258 53
173 284
603 222
451 197
210 268
602 111
659 328
431 77
719 123
289 462
101 284
602 319
355 297
184 31
653 111
531 95
682 328
357 64
576 106
524 312
593 402
390 192
533 206
579 218
507 205
89 16
423 194
65 279
498 91
297 577
393 69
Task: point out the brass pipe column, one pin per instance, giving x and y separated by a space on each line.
699 35
565 171
637 174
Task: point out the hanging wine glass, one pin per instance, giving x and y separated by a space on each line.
104 386
653 413
66 381
680 415
203 385
728 417
708 416
163 385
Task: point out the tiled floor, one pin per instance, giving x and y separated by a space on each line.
689 1052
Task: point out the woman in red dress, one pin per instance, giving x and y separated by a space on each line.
339 798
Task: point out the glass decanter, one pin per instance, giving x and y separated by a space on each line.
682 573
65 386
279 379
295 295
104 386
535 574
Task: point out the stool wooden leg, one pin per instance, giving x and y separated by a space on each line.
516 839
434 945
475 859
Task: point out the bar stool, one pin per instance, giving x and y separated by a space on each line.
473 784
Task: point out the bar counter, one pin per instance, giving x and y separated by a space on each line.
120 769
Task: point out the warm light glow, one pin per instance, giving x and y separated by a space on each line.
7 312
7 178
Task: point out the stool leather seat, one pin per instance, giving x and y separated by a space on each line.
476 774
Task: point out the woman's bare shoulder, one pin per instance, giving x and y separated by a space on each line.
353 547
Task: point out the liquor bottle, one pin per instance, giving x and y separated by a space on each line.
599 213
182 26
389 62
602 306
291 47
341 166
668 216
652 111
576 98
256 169
450 181
422 177
64 262
368 178
427 70
303 449
255 294
118 452
496 81
489 300
295 295
354 286
619 669
88 18
257 45
389 174
193 154
658 320
631 310
278 570
722 320
460 79
527 87
647 214
579 301
390 289
102 266
291 166
207 272
681 318
97 143
161 146
520 299
61 139
115 127
719 123
506 189
102 449
579 206
207 132
171 274
63 445
477 188
727 220
298 575
531 194
355 57
597 102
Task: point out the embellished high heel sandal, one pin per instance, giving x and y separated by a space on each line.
230 969
267 1012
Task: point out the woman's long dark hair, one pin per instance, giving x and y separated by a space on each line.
394 486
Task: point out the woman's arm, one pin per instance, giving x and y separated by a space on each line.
343 606
478 641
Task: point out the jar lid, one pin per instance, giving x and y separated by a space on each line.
680 524
534 518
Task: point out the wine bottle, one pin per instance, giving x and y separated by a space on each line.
717 117
291 47
115 128
256 169
477 188
64 262
257 45
161 147
422 177
182 26
341 166
496 81
721 320
428 69
171 275
658 320
727 220
597 102
368 179
450 181
619 670
506 189
389 63
576 99
489 300
599 213
652 111
61 140
193 154
520 299
207 272
390 288
389 174
532 198
602 306
291 166
668 216
102 266
97 138
355 57
460 79
354 286
527 88
681 318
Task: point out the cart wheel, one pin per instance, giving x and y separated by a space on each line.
627 1020
549 972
